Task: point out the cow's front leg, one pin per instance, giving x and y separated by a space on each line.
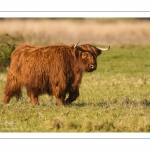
73 94
33 95
61 100
60 95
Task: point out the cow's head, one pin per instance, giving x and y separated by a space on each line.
88 55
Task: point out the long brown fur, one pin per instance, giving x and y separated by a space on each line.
55 70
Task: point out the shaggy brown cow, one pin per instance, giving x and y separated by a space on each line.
55 70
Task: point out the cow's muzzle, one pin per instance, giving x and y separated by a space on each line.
91 67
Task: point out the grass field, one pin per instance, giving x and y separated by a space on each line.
114 98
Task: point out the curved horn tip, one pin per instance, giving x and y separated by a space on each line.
107 48
76 44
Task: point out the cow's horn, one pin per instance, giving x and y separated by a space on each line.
103 49
76 45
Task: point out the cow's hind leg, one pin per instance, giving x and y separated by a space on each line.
6 99
9 92
33 96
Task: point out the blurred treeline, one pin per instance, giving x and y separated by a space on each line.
7 45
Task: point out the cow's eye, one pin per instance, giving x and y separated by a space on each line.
84 55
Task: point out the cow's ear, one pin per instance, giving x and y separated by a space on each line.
99 52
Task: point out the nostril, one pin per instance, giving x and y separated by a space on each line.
92 66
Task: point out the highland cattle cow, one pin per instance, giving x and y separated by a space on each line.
53 70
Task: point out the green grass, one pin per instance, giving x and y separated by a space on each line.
114 98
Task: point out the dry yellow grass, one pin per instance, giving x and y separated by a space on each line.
68 31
